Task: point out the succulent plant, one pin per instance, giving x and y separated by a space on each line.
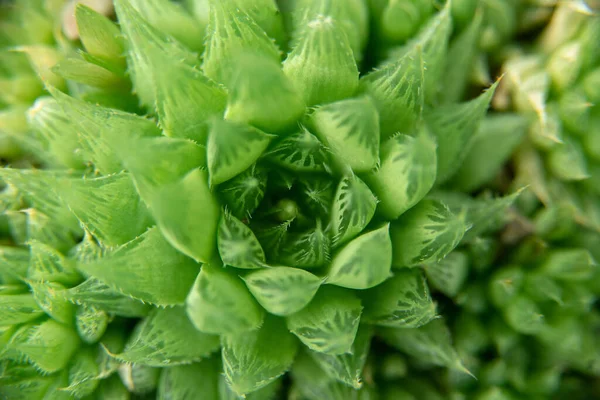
216 199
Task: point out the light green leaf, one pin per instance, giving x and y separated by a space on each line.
190 382
426 233
112 388
187 214
300 152
14 262
108 207
397 89
231 31
268 392
401 302
81 71
454 127
252 361
429 344
407 173
238 247
364 262
329 323
43 229
95 293
163 338
18 308
219 303
321 63
350 130
310 249
50 297
448 275
147 268
568 162
232 148
99 35
139 379
261 95
82 373
523 315
91 323
99 127
283 290
48 346
347 368
493 144
569 265
267 15
243 194
47 264
505 284
172 19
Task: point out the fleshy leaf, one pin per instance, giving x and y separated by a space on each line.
232 148
252 361
187 214
493 144
397 89
14 263
95 293
99 126
310 249
78 70
364 262
426 233
18 308
189 382
568 162
316 194
454 127
353 207
347 368
300 152
231 31
243 194
112 388
283 290
91 323
267 15
350 130
430 343
50 297
449 274
407 173
212 312
49 345
569 265
47 264
268 392
162 339
238 247
321 63
401 302
108 207
261 95
329 323
147 268
139 379
82 371
523 315
99 35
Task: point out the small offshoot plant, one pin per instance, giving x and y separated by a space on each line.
300 199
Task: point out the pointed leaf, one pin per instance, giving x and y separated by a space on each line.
95 293
397 89
406 174
364 262
139 379
99 35
91 323
238 247
317 194
310 249
231 31
14 262
50 297
187 214
347 368
232 148
329 323
426 233
147 268
569 265
243 194
162 339
252 361
47 264
401 302
430 343
17 309
321 63
42 228
300 152
82 372
108 207
219 303
81 71
454 127
283 290
350 130
261 95
449 274
189 382
523 315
